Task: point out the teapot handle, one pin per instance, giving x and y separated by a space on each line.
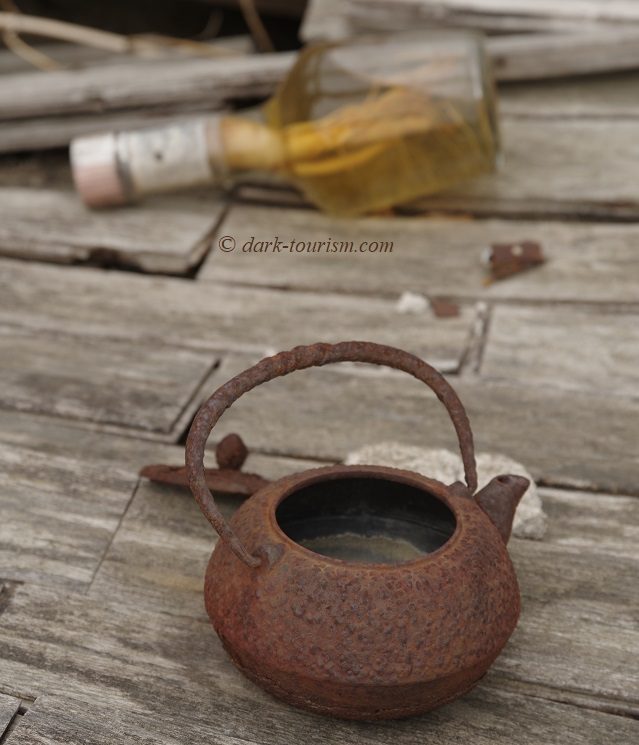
301 358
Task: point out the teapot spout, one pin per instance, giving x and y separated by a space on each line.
499 500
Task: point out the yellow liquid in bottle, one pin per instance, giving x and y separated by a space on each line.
357 142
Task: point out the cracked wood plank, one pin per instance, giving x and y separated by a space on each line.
58 514
8 709
571 348
434 256
197 316
63 493
140 386
53 225
579 439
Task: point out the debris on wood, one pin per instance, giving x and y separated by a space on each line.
443 308
412 302
507 259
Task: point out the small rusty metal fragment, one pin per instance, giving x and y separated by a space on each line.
443 308
230 453
507 259
218 480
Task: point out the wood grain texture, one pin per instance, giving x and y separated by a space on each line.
485 716
560 55
112 382
576 349
431 255
572 438
58 514
597 96
121 87
8 709
197 316
53 225
493 15
63 492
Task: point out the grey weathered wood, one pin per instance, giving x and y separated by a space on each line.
574 167
141 386
564 347
535 56
580 49
123 87
8 709
63 492
604 96
492 15
431 255
582 439
53 225
78 56
485 716
174 312
40 133
58 514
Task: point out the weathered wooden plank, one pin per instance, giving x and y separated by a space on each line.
493 15
582 439
539 56
483 716
77 56
572 48
58 514
41 133
578 349
173 82
8 709
433 256
604 96
63 491
186 314
105 381
53 225
63 437
573 167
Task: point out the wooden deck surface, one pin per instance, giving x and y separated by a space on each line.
115 326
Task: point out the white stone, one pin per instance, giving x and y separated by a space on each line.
446 466
412 302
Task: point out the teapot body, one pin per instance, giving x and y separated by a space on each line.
363 640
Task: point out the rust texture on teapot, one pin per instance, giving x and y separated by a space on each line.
357 640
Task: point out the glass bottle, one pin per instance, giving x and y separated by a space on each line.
358 126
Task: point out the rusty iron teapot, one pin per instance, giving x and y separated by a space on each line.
363 592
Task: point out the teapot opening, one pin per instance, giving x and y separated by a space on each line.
366 520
